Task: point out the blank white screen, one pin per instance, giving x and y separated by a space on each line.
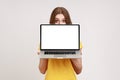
59 37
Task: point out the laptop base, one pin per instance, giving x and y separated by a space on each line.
60 56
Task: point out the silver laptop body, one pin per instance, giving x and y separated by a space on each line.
59 41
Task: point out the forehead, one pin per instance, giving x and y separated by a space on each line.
59 16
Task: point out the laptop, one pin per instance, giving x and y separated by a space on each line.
59 41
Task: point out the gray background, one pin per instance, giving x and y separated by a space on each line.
19 37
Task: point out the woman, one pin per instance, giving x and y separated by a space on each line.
60 69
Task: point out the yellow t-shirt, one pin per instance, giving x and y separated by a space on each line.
60 69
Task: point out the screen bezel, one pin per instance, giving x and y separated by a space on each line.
59 49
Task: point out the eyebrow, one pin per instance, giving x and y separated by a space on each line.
56 18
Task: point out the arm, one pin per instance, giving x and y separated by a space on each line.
42 64
77 64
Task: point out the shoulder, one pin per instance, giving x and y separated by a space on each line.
81 45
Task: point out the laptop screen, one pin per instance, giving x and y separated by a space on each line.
59 37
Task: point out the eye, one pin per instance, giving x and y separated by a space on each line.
63 20
56 20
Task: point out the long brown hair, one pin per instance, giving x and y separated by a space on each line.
60 10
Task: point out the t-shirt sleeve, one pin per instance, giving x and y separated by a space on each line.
38 47
81 46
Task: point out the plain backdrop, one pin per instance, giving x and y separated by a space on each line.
19 37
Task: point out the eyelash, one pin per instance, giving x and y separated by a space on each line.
56 20
63 20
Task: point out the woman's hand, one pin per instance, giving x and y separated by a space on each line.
42 64
77 64
38 52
